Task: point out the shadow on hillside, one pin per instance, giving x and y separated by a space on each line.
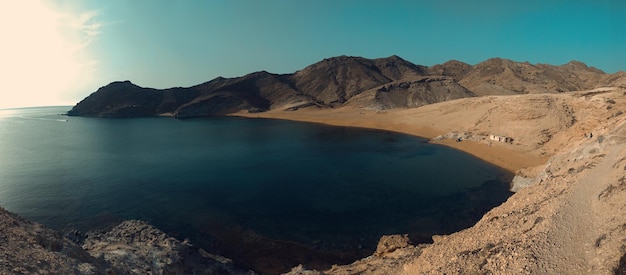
621 267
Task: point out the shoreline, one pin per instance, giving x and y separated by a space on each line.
506 156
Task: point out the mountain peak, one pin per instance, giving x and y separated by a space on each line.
395 57
120 85
125 82
340 58
392 59
577 64
452 68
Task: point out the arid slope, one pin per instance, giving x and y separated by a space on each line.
570 220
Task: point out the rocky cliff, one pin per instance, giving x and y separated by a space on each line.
132 247
344 81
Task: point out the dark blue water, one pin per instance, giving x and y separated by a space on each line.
234 184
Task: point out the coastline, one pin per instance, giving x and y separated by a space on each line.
416 122
567 212
565 221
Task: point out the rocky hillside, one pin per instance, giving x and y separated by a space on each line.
133 247
328 83
413 93
342 81
501 77
570 220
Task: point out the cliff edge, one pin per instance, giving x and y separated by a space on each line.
132 247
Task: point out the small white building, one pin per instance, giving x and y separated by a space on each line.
504 139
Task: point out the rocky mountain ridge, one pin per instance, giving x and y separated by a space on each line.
381 83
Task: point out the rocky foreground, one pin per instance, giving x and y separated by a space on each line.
132 247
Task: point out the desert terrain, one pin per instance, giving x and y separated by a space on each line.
568 147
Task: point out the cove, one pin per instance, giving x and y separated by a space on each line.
269 194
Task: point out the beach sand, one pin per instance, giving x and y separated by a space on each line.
422 122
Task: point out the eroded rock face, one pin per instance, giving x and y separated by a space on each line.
139 248
420 92
390 243
29 248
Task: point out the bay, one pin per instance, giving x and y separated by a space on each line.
233 184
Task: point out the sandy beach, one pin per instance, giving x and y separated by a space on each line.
422 122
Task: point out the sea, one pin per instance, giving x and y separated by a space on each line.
247 189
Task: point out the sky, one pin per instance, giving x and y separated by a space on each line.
56 52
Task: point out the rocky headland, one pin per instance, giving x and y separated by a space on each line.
566 133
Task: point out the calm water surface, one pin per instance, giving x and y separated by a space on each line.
329 189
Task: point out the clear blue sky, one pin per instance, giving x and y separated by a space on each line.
182 43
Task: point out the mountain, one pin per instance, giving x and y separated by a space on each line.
219 96
335 80
411 93
453 68
503 76
381 83
616 80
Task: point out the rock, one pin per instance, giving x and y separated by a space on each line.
136 247
520 182
390 243
28 247
133 247
301 270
